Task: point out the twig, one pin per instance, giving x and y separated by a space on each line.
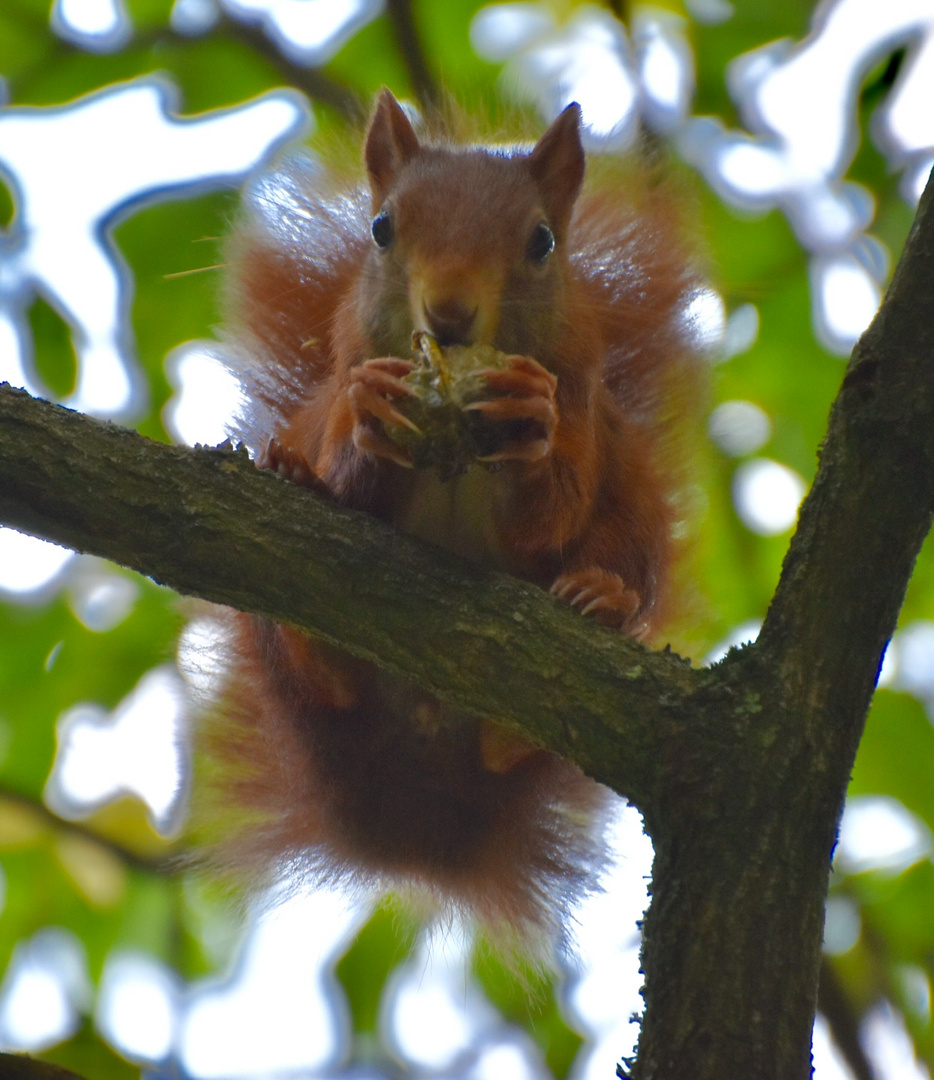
164 866
407 37
311 81
844 1025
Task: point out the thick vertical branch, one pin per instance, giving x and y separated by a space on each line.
871 505
733 938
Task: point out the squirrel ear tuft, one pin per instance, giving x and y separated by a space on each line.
390 142
557 166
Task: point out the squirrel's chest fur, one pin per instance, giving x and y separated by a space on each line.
458 514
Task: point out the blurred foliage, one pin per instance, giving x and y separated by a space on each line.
56 364
105 880
377 951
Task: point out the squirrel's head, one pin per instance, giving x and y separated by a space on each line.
471 236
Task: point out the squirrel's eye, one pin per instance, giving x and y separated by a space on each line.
541 243
382 229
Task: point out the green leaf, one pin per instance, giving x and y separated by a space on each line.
50 661
87 1054
896 757
379 948
55 358
526 996
174 249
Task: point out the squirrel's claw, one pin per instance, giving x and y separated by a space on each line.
524 376
373 386
370 441
288 463
367 401
603 595
523 391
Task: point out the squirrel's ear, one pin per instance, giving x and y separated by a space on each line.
557 166
390 142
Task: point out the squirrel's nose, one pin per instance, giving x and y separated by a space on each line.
450 320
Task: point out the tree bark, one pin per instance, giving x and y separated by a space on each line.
740 770
732 940
207 523
21 1067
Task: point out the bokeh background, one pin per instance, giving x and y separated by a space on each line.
801 136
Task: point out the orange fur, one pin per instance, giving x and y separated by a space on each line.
333 766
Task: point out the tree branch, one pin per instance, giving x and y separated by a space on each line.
163 866
863 523
734 994
843 1021
209 524
408 40
22 1067
314 82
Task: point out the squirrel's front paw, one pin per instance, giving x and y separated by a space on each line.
605 596
374 386
523 405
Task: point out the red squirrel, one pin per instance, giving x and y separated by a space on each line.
327 765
